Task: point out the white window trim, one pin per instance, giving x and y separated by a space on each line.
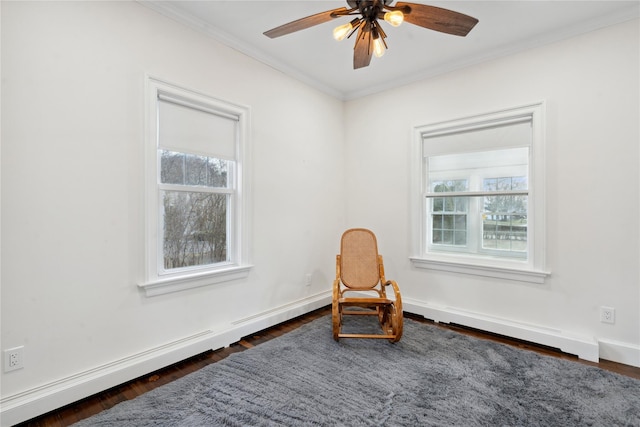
155 281
533 269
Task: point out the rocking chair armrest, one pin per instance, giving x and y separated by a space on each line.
396 291
393 284
336 289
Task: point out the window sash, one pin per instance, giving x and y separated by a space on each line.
469 180
443 238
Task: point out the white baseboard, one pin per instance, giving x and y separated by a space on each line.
620 352
584 347
40 400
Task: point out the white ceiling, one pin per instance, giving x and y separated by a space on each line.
414 53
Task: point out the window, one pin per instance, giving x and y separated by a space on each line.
197 192
477 201
478 186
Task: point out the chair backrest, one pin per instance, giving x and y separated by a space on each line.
359 259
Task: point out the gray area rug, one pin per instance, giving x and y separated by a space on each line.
432 377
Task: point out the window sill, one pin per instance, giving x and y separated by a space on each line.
486 270
175 284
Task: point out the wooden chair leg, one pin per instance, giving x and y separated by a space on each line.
336 318
396 323
385 321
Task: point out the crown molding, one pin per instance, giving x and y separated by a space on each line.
226 39
617 17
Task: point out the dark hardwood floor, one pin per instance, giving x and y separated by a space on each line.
92 405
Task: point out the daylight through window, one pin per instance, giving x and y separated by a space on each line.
477 202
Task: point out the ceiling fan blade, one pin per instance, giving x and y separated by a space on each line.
438 19
363 49
303 23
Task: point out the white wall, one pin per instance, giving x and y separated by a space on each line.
591 88
72 192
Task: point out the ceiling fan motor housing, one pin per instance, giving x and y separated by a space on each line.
369 9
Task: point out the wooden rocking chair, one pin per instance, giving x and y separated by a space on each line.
359 271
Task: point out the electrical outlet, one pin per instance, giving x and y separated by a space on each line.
13 359
307 279
607 315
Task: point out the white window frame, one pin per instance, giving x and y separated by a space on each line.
530 270
157 280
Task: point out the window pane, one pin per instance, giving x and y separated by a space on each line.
489 184
191 169
505 183
217 172
461 204
449 204
171 167
438 204
504 220
196 170
195 228
449 185
437 222
519 183
449 229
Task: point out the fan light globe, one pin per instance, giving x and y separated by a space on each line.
341 32
378 47
394 18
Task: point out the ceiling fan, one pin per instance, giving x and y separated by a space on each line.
370 39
